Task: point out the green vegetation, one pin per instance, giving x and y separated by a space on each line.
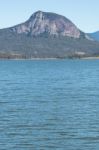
22 46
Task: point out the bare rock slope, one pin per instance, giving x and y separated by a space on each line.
47 23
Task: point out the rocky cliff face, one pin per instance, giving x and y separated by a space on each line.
48 24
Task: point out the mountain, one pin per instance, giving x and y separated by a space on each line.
94 35
47 23
46 35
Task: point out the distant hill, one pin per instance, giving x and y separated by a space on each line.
46 35
94 35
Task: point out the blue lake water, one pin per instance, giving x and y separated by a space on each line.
49 105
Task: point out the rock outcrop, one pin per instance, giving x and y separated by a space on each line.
49 24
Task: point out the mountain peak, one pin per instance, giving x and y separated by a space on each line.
47 23
38 13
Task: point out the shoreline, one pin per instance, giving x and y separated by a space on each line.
89 58
74 58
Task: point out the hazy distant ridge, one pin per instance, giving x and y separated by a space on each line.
94 35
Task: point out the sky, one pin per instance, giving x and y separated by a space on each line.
83 13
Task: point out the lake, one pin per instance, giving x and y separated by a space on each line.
49 104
